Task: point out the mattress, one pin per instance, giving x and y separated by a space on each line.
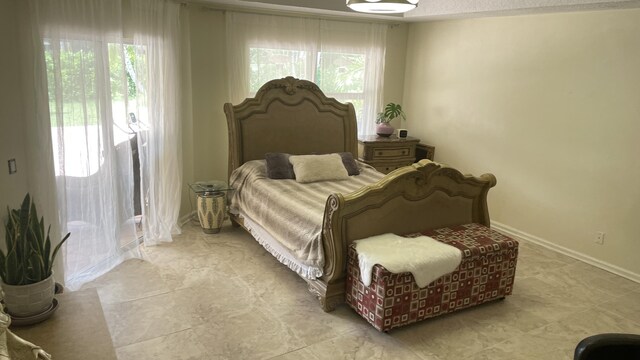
285 216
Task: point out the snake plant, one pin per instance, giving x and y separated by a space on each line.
28 259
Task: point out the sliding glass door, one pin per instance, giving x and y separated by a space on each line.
93 106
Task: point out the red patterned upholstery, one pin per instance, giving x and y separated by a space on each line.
486 273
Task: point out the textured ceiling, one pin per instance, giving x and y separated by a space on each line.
471 8
433 9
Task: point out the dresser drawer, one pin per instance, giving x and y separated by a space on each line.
387 168
391 152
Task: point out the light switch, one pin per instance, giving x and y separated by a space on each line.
12 166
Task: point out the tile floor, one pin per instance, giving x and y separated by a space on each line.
223 297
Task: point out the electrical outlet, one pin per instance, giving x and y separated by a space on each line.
12 166
600 238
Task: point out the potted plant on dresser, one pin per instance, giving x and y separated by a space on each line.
26 269
391 112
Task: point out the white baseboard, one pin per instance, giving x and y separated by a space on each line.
521 235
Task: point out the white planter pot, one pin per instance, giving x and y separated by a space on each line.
29 300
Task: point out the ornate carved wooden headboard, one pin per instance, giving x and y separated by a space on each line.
292 116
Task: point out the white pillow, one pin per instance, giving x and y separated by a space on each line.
310 168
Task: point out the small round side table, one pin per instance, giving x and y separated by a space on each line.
212 204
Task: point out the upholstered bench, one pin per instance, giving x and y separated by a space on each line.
485 273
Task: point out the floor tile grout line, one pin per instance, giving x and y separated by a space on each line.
153 338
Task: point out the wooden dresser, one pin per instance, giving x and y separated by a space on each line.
387 153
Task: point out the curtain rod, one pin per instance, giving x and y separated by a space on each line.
286 13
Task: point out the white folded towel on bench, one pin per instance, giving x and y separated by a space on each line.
427 259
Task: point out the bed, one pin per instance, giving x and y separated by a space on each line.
294 116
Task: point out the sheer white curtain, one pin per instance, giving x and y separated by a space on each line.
345 59
110 94
157 38
354 60
263 47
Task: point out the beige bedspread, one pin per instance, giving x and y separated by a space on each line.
290 212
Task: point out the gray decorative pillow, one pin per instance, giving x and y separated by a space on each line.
278 166
349 163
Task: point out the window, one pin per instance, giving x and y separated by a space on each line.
269 64
75 103
345 59
339 75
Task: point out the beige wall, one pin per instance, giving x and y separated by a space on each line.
205 135
205 140
12 187
551 105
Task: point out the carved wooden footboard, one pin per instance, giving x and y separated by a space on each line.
423 196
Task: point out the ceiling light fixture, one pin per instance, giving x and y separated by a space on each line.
382 6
